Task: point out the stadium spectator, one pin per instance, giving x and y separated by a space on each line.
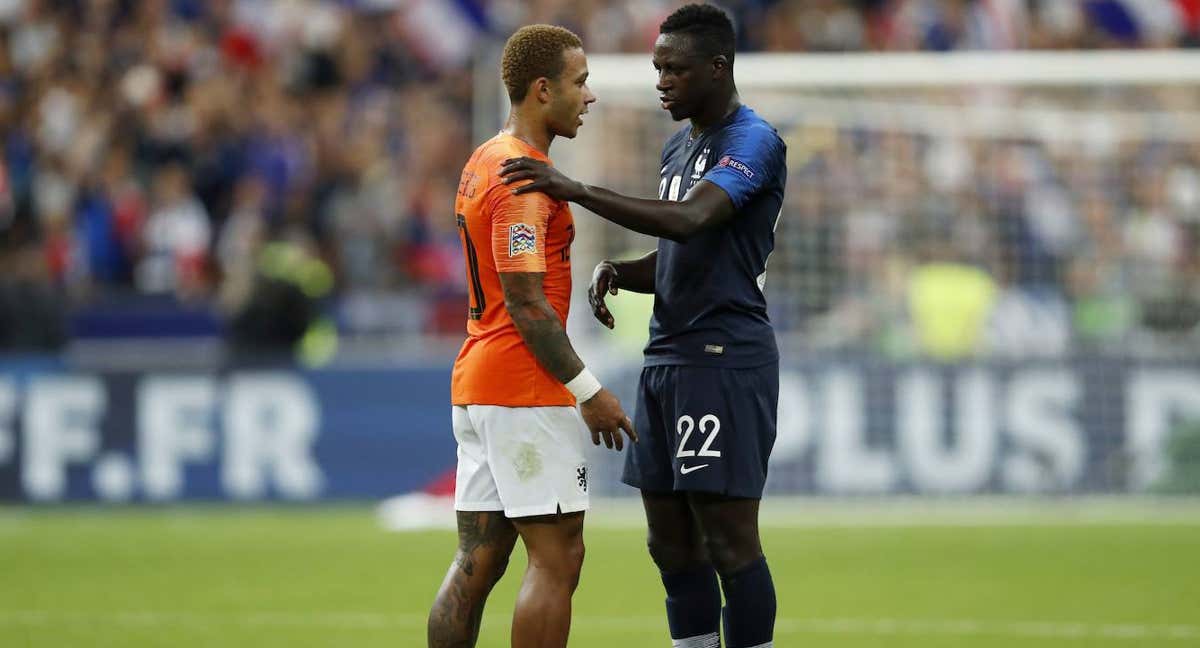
176 238
129 129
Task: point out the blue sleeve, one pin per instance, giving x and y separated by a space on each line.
749 160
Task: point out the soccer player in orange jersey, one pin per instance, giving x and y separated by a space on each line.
516 382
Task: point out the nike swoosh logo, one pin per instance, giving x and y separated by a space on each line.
683 470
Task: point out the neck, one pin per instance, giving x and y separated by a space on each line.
716 112
529 129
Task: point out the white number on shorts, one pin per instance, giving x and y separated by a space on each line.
710 425
688 422
712 435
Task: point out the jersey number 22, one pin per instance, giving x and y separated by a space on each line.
709 426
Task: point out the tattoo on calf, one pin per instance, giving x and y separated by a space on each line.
455 618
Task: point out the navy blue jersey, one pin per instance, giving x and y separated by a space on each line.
709 308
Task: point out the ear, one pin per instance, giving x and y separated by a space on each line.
541 89
720 66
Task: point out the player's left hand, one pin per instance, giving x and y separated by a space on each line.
605 419
604 282
544 177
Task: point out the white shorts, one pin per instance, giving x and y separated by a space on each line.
521 460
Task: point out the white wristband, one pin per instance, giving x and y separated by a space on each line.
583 386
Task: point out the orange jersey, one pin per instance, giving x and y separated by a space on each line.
506 233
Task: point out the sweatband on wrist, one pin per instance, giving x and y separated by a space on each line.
583 386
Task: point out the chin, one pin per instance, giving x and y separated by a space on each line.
679 114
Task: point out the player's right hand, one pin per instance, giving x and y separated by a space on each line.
604 282
605 419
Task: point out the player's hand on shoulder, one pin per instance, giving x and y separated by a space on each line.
604 282
605 419
542 177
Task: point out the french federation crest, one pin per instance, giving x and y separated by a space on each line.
522 239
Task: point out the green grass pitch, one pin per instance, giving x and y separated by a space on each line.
213 576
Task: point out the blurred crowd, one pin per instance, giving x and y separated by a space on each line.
231 152
950 245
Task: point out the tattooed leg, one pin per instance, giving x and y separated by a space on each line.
485 540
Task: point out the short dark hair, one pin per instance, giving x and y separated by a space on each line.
534 51
709 26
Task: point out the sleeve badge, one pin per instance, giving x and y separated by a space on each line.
522 239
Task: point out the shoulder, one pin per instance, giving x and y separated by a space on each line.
482 159
494 151
749 126
485 162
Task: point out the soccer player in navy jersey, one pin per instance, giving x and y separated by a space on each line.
709 390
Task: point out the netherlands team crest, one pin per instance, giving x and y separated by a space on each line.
522 239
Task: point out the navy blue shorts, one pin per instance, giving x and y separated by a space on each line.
704 429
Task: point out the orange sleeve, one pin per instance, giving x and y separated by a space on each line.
519 226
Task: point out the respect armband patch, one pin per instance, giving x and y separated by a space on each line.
737 165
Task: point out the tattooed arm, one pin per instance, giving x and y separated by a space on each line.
538 324
543 333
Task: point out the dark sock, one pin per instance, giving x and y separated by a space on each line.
749 606
694 606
